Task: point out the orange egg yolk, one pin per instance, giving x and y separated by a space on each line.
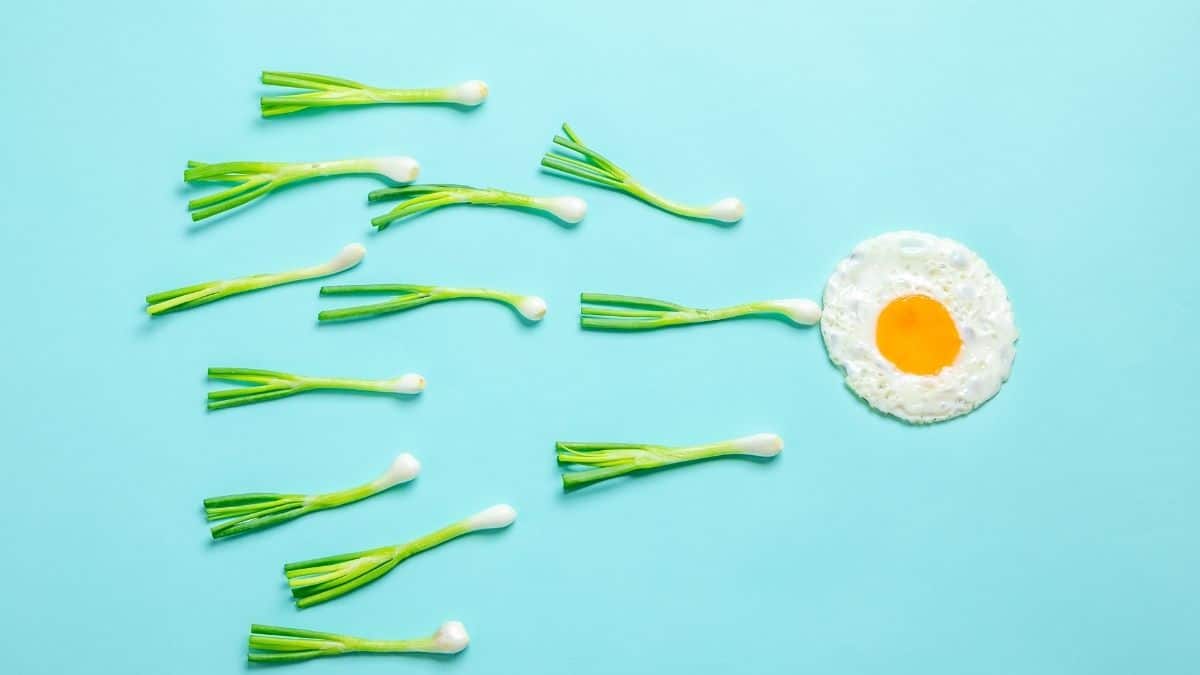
916 333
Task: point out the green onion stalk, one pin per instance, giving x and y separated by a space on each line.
409 296
188 297
589 166
603 311
268 385
588 463
323 579
324 91
258 179
253 511
276 644
427 197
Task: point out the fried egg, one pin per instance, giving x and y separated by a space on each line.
921 327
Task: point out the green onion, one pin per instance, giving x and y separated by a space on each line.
188 297
595 462
275 644
592 167
321 579
602 311
409 296
258 179
248 512
268 385
328 92
421 198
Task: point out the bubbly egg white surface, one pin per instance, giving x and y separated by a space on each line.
898 264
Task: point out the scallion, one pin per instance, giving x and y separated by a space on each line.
268 385
276 644
594 462
252 511
422 198
321 579
328 92
188 297
603 311
592 167
258 179
409 296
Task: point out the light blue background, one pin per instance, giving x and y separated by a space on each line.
1052 531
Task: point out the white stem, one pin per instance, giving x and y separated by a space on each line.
403 469
500 515
567 209
760 445
802 311
532 307
728 210
451 638
410 383
471 92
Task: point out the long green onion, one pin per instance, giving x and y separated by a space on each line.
258 179
590 166
276 644
422 198
603 311
409 296
268 385
589 463
328 92
195 295
252 511
321 579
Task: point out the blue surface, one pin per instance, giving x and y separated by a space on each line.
1052 531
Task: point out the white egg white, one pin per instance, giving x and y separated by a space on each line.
898 264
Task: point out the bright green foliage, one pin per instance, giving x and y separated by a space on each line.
211 291
276 644
603 311
268 385
248 512
324 91
422 198
590 166
594 462
258 179
410 296
322 579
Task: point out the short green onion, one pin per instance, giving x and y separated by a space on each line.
595 462
252 511
597 169
276 644
602 311
268 385
409 296
188 297
321 579
258 179
422 198
328 92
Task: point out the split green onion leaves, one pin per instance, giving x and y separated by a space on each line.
188 297
276 644
602 311
258 179
248 512
408 296
588 463
422 198
268 385
322 579
589 166
324 91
